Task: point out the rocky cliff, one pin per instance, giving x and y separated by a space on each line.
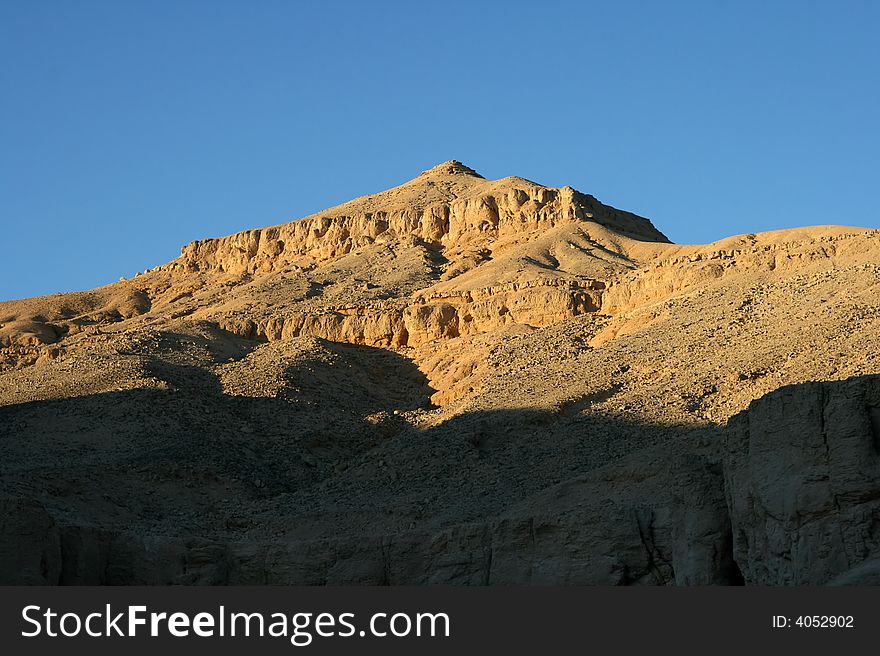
786 494
449 207
457 380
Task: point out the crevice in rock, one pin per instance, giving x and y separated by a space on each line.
874 420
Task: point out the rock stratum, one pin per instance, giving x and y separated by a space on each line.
457 380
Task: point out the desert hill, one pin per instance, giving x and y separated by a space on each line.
457 380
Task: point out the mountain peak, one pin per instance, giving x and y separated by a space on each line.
452 167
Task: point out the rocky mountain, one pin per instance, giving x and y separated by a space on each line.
457 380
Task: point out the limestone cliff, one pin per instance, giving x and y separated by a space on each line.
457 380
449 207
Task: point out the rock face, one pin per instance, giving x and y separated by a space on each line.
430 320
30 543
458 380
447 207
802 469
796 501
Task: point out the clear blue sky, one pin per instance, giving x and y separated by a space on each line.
130 128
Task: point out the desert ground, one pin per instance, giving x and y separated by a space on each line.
455 381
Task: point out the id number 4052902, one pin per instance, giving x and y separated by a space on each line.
813 622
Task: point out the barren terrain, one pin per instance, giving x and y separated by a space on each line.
457 380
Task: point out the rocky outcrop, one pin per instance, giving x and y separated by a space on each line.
429 318
802 479
787 494
702 536
594 538
485 212
697 267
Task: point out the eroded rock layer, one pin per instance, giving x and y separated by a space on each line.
457 380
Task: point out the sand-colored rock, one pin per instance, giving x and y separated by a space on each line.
457 380
448 207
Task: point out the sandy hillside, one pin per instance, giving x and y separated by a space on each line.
457 380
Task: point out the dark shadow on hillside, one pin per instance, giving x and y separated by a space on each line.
196 486
192 465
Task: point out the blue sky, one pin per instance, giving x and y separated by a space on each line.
130 128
